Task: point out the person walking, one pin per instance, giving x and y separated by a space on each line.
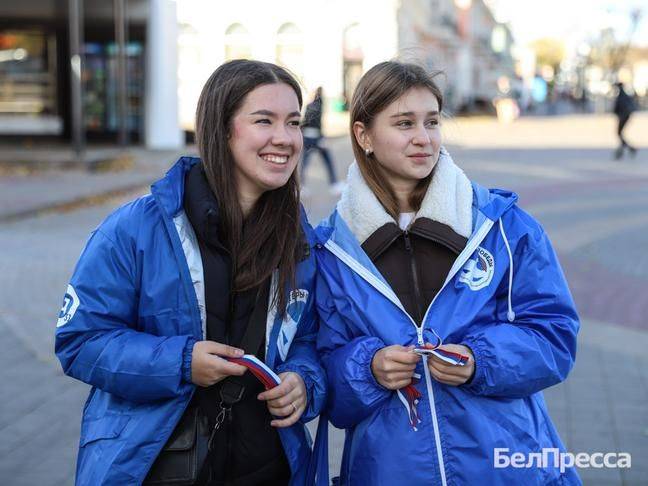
312 130
173 288
443 309
624 106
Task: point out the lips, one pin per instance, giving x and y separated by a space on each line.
275 158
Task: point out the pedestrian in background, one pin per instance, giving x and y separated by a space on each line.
170 287
624 106
312 130
443 310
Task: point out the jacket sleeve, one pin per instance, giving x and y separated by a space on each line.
353 392
303 359
96 337
538 349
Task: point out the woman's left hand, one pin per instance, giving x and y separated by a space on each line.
287 400
450 374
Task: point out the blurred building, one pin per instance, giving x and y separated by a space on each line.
37 69
143 87
331 43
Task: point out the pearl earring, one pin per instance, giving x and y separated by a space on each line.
367 152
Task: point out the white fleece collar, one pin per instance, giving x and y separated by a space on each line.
448 200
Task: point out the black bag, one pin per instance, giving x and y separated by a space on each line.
182 458
185 452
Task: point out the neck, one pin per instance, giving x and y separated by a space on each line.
247 202
403 190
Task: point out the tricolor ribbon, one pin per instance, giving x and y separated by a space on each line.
410 395
456 359
265 375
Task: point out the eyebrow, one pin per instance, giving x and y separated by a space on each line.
273 114
411 113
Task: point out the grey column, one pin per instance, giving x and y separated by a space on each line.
75 24
122 73
162 127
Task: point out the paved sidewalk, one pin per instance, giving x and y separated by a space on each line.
594 210
28 194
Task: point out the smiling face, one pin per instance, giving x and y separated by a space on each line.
265 140
405 137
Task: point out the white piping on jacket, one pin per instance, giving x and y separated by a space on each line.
272 309
510 315
191 251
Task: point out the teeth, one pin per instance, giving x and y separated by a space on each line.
276 159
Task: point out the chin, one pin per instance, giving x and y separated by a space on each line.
271 185
420 172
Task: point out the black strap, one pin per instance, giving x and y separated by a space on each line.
231 390
256 328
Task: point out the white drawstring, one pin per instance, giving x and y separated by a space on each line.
510 315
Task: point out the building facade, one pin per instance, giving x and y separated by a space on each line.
331 43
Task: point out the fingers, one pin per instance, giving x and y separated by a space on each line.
285 406
450 374
446 378
291 419
224 367
286 385
396 384
402 356
221 349
294 395
278 391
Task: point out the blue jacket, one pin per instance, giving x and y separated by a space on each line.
506 298
133 309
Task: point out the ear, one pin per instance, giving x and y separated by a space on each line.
361 134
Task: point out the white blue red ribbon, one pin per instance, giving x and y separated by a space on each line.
258 368
410 396
456 359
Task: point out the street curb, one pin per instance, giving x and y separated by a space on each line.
75 203
98 164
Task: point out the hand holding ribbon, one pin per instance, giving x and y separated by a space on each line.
287 400
448 373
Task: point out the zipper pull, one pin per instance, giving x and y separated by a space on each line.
419 333
408 245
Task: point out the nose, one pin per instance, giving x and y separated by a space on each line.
280 135
421 136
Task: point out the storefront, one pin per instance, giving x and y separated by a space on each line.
35 79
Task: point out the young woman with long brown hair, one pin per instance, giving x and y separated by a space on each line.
172 285
443 309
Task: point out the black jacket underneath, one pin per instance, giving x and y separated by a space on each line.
415 262
248 450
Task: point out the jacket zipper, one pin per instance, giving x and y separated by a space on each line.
351 262
415 280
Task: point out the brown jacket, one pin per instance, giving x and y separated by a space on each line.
415 262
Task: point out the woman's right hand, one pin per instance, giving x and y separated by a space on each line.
207 366
393 366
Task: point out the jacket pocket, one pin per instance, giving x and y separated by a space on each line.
107 427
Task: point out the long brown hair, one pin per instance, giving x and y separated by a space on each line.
377 89
270 236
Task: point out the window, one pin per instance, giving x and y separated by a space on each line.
237 43
290 49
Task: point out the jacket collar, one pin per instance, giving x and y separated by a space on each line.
448 201
201 206
169 191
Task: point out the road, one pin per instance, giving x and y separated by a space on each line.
594 209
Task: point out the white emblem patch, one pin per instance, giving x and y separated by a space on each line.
70 304
294 309
478 272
